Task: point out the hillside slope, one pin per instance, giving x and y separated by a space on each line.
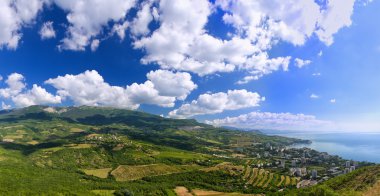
106 151
364 181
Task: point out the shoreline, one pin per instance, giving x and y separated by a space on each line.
359 146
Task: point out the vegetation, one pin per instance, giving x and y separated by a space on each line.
106 151
355 183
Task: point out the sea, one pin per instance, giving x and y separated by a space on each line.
357 146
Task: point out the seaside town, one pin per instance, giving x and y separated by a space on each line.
309 166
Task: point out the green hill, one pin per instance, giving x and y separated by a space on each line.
107 151
363 181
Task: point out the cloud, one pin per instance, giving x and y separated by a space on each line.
181 42
336 16
147 94
15 14
172 84
314 96
320 53
267 120
15 83
94 45
139 25
47 30
260 65
301 63
89 88
180 39
332 100
247 79
174 44
4 106
217 103
316 74
162 88
291 21
35 96
87 19
21 97
120 29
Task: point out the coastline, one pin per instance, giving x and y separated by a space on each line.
352 146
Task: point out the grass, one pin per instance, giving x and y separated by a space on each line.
198 192
127 173
269 180
374 190
80 146
14 137
33 142
287 181
281 181
76 130
100 173
183 191
103 192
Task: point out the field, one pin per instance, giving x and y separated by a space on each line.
126 173
183 191
263 178
100 173
103 192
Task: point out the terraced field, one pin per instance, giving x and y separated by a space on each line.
256 177
263 178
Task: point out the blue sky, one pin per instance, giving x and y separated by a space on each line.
186 60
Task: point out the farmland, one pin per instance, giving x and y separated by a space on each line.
126 173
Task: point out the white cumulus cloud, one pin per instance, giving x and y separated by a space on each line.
171 84
15 83
87 19
139 25
16 92
15 14
35 96
89 88
217 103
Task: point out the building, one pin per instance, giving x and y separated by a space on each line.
314 174
294 163
352 168
303 160
300 172
348 164
282 163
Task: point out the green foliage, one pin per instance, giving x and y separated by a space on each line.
46 151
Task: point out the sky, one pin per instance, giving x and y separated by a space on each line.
260 64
